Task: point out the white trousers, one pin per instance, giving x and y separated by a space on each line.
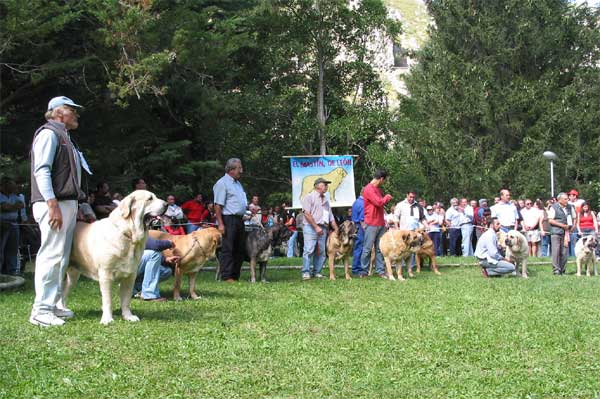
53 257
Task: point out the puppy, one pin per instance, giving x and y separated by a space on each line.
340 245
194 250
426 249
517 251
585 249
110 250
396 246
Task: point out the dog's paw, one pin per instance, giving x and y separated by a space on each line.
253 280
436 272
196 297
578 274
348 278
106 320
392 278
332 278
178 298
132 318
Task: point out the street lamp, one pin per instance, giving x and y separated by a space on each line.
549 155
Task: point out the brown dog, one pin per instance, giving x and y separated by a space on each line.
397 246
426 249
194 250
339 246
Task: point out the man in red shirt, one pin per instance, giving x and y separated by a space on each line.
374 221
196 213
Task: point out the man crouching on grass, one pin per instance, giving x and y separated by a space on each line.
490 260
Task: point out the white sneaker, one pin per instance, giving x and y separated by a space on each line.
64 313
46 320
305 276
319 275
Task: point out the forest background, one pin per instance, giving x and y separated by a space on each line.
173 88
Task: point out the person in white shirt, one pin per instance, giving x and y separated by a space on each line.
491 261
466 226
532 220
506 212
410 216
453 220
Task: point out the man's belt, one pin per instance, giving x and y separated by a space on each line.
323 225
509 227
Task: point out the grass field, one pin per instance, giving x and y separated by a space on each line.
451 336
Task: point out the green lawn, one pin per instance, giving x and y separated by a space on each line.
451 336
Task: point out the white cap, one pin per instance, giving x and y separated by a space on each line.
62 100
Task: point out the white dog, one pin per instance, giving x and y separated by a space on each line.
585 249
517 250
110 250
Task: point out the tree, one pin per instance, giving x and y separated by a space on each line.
497 84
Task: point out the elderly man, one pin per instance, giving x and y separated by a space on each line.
466 226
453 221
230 208
506 212
561 217
318 218
374 201
490 260
55 190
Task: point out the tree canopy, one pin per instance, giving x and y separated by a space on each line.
174 88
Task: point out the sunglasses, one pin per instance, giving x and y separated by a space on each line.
528 203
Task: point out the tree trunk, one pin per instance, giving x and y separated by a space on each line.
321 117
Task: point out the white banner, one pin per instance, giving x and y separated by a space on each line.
338 169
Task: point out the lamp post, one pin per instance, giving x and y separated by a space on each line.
549 155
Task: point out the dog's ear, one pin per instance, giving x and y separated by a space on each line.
125 206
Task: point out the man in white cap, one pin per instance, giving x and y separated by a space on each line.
318 219
55 190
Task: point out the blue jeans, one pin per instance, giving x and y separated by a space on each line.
150 273
314 250
436 237
372 236
574 238
189 228
357 252
292 244
546 245
500 268
9 248
466 232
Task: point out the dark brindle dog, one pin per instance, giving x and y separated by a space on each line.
259 247
340 245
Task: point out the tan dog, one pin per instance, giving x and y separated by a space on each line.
339 247
110 250
397 246
585 249
517 250
426 249
194 250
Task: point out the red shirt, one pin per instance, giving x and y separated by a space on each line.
195 211
374 202
586 222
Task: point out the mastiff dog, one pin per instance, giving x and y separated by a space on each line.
260 242
110 250
585 249
339 247
426 250
194 250
517 250
397 246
